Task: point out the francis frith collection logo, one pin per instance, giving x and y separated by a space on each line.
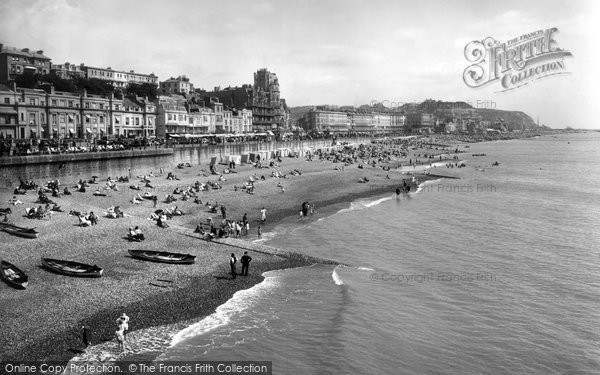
514 63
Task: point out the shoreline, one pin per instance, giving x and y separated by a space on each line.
46 324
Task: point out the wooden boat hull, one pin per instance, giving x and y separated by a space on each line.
19 231
12 275
68 268
163 256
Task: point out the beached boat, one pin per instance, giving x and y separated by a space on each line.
69 268
13 275
19 231
163 256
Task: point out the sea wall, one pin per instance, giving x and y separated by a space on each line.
72 167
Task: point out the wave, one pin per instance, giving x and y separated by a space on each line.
362 204
266 236
365 269
156 340
428 182
336 278
240 301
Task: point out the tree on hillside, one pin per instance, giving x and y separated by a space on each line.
28 80
60 84
94 86
143 90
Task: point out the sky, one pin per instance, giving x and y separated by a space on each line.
337 52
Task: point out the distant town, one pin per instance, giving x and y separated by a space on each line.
40 100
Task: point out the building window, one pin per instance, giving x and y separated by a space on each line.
42 118
102 119
70 103
32 101
137 120
22 116
87 105
126 120
54 102
54 119
6 100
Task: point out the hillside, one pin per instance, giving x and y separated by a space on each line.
443 111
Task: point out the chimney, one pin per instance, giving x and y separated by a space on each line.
25 50
40 52
1 46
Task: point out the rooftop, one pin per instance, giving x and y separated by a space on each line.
23 52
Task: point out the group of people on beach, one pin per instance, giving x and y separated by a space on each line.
245 261
120 333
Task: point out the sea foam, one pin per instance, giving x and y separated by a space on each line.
240 301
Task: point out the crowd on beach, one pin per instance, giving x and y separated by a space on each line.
180 200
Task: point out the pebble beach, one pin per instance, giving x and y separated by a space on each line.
44 321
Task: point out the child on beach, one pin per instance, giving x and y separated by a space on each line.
123 324
232 262
120 335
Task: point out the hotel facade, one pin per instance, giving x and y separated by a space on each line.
320 120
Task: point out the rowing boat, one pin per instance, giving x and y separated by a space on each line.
69 268
163 256
19 231
13 275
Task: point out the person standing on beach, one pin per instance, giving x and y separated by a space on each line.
123 324
245 263
224 211
84 336
120 335
232 262
263 215
259 232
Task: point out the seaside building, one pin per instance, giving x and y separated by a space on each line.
321 120
397 123
202 121
9 116
382 123
242 121
361 122
35 113
67 70
267 108
171 116
117 78
15 62
179 85
135 118
418 122
232 97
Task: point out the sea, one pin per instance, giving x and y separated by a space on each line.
496 271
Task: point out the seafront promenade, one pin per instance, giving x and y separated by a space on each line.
72 166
